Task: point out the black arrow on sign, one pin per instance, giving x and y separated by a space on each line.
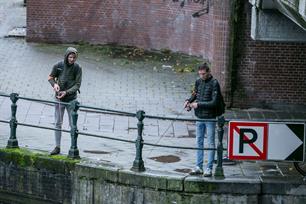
298 129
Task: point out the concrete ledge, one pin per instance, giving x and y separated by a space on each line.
151 179
227 186
106 172
285 186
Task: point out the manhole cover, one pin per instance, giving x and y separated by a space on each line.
96 152
166 159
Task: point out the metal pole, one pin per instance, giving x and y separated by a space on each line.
12 142
74 151
219 169
138 164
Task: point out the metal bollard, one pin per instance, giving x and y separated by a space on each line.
74 151
138 164
219 168
12 142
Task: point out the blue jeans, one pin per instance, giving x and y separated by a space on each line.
203 127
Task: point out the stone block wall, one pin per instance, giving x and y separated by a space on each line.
40 179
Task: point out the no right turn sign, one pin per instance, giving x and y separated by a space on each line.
266 141
248 140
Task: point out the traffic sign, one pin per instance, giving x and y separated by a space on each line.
266 141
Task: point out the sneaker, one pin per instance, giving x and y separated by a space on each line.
207 173
196 171
56 151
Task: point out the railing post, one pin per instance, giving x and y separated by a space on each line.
138 164
74 151
219 168
13 142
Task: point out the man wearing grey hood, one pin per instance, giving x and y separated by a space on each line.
65 79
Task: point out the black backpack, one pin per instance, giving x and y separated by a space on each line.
220 108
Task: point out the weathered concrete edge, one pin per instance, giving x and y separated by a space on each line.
226 185
285 186
159 180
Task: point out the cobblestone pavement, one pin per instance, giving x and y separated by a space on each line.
107 83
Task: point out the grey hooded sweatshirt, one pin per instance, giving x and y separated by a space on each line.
67 76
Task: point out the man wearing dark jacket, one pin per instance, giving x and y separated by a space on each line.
65 78
204 102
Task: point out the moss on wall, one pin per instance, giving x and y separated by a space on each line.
26 158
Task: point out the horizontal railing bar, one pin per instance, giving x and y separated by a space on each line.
180 147
109 110
4 95
111 138
157 117
180 119
102 112
36 126
269 120
36 100
65 103
105 137
45 101
226 120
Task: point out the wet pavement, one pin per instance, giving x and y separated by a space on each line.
113 84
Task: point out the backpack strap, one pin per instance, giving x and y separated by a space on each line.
60 65
76 70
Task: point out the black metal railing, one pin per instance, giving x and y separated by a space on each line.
138 164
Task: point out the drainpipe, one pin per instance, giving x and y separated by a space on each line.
236 9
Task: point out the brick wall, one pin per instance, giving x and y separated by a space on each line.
268 74
148 24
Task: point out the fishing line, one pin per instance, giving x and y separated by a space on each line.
171 124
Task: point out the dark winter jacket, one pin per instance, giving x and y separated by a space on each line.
67 76
206 95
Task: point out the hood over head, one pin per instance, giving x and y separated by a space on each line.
69 51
